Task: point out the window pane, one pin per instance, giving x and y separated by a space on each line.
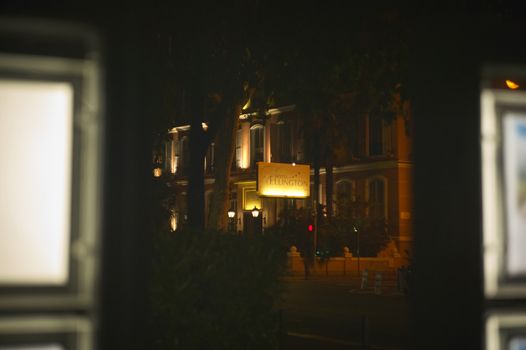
375 137
256 145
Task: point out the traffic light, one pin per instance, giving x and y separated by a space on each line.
310 228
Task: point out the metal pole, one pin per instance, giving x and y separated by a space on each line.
358 248
315 244
358 233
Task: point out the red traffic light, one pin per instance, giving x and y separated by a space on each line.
310 228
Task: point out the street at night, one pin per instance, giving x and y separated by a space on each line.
328 313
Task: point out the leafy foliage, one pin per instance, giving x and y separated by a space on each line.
215 291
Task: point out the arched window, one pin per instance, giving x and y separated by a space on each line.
377 198
257 144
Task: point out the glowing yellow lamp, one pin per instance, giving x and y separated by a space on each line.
512 85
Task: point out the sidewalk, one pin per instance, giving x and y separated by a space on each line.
388 287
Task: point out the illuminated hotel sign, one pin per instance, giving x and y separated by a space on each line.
283 180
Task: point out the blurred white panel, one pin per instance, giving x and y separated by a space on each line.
46 333
505 331
515 190
36 123
503 146
35 347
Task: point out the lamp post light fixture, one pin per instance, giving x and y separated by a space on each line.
157 172
231 220
260 224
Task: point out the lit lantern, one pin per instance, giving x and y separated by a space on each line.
157 172
255 212
231 213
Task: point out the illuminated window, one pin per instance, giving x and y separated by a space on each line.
257 144
377 199
251 198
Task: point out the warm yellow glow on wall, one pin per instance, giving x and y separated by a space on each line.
245 146
173 222
157 172
247 105
283 180
512 85
173 164
250 198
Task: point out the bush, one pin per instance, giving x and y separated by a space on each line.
215 291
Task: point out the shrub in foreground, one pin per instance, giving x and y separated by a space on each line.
215 291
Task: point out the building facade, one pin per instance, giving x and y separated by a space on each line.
379 173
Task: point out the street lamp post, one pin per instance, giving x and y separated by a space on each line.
231 219
255 215
357 247
315 235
